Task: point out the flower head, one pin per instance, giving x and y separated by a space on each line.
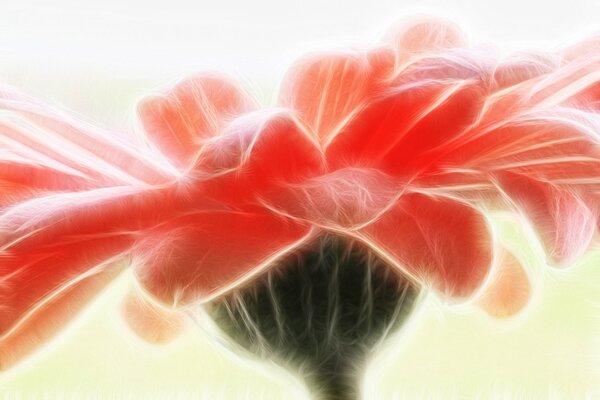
402 147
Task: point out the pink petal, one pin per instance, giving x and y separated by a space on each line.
559 215
588 48
59 146
521 67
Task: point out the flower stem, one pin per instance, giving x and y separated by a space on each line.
321 312
335 381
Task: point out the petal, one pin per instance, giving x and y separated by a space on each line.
256 153
67 152
49 244
31 277
509 290
587 48
150 321
547 164
437 240
559 215
424 34
207 251
521 67
382 62
200 256
578 78
557 145
398 132
51 315
327 90
343 200
196 109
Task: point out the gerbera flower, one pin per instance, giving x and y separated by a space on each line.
401 148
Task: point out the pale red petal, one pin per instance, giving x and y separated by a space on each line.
509 290
547 164
68 209
437 240
196 109
150 321
571 84
326 91
382 62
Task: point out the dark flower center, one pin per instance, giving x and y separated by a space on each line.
321 312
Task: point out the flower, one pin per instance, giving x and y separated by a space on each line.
403 147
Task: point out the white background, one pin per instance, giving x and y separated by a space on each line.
61 48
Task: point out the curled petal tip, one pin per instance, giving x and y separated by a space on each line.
509 289
150 321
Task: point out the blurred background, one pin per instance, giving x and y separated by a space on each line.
100 59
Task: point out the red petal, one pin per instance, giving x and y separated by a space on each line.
30 277
397 132
257 152
201 256
51 315
198 108
438 240
49 243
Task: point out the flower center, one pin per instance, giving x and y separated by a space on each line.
320 312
